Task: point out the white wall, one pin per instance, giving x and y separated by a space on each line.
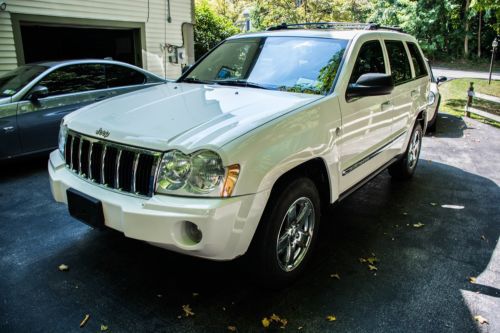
157 30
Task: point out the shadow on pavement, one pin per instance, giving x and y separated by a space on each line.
449 126
132 286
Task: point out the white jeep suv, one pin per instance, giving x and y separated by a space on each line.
245 150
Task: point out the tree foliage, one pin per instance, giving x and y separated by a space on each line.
444 28
210 28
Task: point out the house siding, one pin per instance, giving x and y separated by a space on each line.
157 31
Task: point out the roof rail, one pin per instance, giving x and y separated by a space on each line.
334 25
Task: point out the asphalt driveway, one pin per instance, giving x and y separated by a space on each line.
421 284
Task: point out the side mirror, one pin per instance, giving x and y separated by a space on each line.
38 92
186 68
371 84
441 79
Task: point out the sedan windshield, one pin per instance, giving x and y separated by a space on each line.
294 64
13 81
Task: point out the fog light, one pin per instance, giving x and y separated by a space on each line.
193 232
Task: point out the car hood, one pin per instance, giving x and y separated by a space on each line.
184 116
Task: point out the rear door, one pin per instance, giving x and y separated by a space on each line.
70 88
405 93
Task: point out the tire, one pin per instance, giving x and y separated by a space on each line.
405 167
279 239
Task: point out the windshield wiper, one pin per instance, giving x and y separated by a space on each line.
241 83
194 80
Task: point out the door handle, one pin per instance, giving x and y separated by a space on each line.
8 129
386 106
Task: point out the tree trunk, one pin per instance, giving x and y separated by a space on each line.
479 37
466 39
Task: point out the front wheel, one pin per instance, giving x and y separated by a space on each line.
287 233
405 167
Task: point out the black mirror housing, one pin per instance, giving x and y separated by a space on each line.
441 79
370 84
38 92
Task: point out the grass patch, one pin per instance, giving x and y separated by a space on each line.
454 98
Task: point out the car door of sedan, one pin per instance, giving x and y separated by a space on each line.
9 139
69 88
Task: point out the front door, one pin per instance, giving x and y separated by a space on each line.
9 139
69 88
366 121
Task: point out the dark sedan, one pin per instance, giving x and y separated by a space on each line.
35 97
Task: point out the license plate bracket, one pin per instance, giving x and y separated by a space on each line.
85 208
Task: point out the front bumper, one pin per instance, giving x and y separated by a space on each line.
227 225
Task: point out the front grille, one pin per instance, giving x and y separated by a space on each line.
114 166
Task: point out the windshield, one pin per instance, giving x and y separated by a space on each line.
295 64
13 81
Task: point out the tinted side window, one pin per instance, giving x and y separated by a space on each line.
400 65
418 62
75 78
370 60
119 76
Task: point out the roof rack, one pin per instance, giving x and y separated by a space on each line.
334 25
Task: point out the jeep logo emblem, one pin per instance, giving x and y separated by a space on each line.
102 133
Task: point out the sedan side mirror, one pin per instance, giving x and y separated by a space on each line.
441 79
38 92
370 84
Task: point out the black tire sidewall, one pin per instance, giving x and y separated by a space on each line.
265 259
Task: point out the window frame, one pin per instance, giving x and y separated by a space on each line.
62 67
410 63
359 51
422 58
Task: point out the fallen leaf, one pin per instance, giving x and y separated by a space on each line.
480 319
331 318
418 225
63 267
187 310
85 320
453 206
372 260
279 320
266 322
433 204
232 328
335 276
372 268
300 327
104 328
472 279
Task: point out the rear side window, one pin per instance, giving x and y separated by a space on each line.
370 60
75 78
119 76
400 64
418 61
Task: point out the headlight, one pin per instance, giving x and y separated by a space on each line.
432 98
207 173
200 173
174 171
63 133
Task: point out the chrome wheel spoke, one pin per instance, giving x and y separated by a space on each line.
295 234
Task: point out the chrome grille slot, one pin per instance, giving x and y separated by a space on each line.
117 167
